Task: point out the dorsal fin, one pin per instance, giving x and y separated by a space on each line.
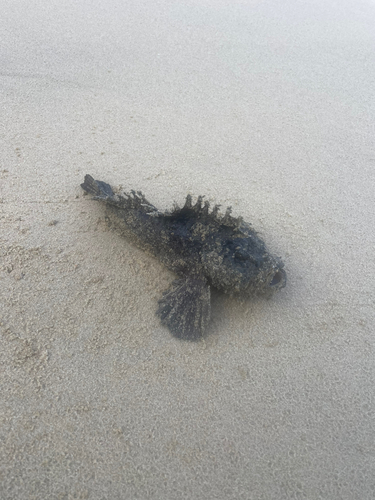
203 212
134 200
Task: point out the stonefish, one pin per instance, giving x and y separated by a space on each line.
203 248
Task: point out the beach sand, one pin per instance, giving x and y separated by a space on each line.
265 106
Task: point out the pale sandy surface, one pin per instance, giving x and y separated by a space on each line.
266 106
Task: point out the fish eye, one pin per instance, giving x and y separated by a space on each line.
241 255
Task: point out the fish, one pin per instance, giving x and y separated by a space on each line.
206 249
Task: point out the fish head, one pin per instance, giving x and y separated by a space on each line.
238 262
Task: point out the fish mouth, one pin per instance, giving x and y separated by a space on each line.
278 279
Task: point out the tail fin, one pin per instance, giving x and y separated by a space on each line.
97 188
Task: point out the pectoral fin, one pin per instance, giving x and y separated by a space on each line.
185 308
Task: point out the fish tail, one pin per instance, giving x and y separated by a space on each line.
97 188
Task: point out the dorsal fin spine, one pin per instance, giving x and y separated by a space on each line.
188 201
204 213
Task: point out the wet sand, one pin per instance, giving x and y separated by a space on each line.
265 106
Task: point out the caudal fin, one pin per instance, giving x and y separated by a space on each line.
97 188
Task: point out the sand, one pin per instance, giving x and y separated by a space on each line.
265 106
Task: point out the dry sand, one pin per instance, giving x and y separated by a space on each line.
266 106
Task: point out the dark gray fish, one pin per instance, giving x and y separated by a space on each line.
204 249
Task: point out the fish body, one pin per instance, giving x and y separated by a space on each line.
203 248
